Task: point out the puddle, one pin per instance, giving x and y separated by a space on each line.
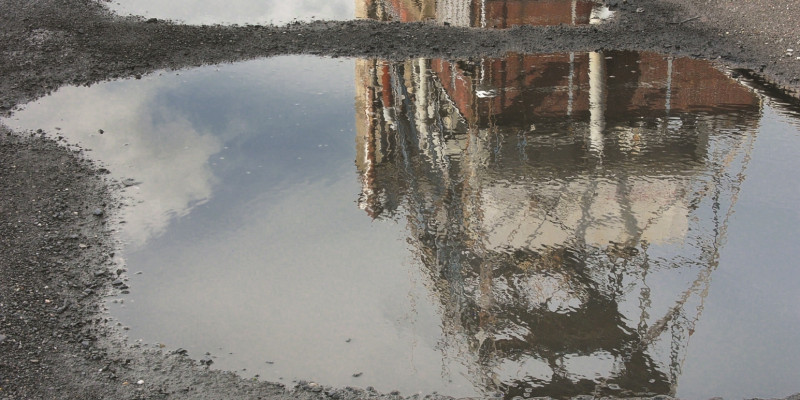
614 223
473 13
210 12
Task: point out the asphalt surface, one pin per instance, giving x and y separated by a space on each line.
56 248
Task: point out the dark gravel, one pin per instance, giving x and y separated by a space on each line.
56 252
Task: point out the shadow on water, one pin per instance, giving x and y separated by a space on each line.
543 193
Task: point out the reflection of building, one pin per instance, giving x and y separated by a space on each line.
544 193
481 13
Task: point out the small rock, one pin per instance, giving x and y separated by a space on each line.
640 10
3 338
100 131
85 344
129 182
140 382
206 361
180 351
97 212
357 374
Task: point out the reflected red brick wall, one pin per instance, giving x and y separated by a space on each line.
507 13
489 13
558 85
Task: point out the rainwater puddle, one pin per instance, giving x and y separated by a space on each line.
484 13
615 223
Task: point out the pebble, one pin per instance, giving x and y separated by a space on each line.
120 284
140 382
129 182
98 212
357 374
3 338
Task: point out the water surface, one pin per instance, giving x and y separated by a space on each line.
617 223
474 13
199 12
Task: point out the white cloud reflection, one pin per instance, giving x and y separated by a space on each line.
237 11
148 143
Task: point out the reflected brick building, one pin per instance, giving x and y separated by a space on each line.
480 13
554 200
536 188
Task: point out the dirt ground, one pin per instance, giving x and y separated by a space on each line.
56 250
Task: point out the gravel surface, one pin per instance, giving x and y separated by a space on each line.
56 250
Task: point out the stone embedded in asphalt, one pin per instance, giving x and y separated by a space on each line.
3 338
180 351
98 212
120 284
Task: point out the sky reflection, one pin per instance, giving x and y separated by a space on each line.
236 11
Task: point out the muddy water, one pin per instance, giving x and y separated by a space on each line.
614 223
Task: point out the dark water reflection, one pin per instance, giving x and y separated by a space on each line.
546 198
528 225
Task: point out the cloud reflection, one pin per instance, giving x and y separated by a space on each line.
144 139
237 11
